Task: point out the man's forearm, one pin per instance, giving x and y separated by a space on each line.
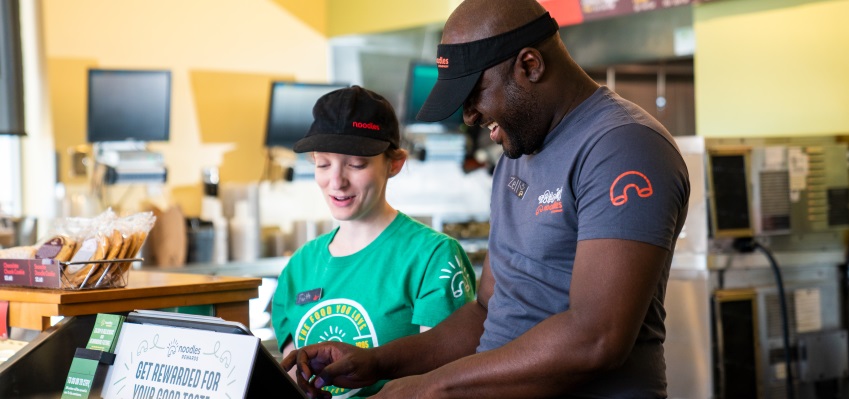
455 337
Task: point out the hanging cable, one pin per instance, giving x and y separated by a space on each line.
749 244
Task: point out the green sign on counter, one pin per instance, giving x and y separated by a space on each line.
105 332
100 346
78 384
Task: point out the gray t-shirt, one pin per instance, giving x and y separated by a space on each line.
608 170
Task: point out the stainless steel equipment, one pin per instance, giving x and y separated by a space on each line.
724 317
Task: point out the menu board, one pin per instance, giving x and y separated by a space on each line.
571 12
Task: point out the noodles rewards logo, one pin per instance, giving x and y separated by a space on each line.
549 202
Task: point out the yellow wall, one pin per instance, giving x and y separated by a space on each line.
222 55
67 103
762 67
772 68
346 17
312 12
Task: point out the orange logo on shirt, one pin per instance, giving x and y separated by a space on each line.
631 179
442 62
549 202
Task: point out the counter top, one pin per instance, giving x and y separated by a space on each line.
262 267
32 307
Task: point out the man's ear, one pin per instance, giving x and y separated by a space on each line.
529 64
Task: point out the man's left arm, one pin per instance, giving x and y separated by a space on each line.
613 284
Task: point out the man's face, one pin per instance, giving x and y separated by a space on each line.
510 111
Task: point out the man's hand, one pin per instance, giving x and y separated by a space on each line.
331 363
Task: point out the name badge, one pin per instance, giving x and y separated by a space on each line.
517 186
308 296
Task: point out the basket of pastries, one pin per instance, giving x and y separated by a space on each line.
93 252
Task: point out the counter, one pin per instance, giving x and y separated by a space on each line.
32 308
262 267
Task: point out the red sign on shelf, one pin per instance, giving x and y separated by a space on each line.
4 319
29 273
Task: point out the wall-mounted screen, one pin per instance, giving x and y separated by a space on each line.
731 215
128 105
290 111
422 77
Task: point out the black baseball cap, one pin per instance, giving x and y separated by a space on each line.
351 121
460 65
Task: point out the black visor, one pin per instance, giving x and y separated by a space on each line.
461 64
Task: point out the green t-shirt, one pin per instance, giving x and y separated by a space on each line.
409 276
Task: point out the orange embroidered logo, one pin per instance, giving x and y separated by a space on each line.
640 183
442 62
550 202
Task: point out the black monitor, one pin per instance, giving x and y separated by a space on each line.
128 105
728 179
290 110
420 81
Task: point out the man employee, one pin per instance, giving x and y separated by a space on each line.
588 200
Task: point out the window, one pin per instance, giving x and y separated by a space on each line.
11 108
10 175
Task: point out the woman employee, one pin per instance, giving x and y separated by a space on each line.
380 275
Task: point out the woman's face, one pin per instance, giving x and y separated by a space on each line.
354 187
